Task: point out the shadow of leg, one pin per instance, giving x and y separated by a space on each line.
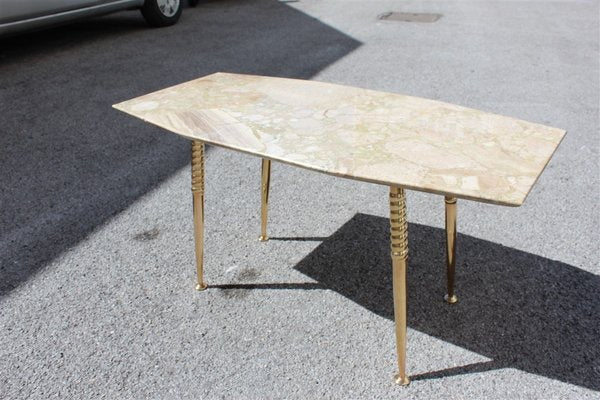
520 310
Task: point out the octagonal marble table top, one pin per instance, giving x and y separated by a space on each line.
362 134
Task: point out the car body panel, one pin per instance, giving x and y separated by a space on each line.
16 10
23 15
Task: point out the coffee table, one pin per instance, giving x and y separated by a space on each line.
389 139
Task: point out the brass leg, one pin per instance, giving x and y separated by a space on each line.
198 194
450 297
266 179
399 245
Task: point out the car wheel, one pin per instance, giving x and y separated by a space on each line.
161 12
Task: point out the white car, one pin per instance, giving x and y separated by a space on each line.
23 15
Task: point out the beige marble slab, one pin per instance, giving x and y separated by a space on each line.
362 134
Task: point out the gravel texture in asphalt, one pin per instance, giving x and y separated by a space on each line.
97 273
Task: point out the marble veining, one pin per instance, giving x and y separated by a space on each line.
356 133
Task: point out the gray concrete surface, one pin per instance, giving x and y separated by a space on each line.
96 248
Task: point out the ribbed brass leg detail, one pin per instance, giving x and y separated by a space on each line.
450 297
266 179
198 196
399 246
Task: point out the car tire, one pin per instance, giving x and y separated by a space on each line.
162 12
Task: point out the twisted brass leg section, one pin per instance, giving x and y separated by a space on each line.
450 297
399 246
266 179
198 195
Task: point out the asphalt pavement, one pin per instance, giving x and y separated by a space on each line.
97 273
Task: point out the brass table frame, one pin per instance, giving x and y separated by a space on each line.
398 239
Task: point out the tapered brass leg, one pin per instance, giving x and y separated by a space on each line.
399 246
266 179
450 297
198 194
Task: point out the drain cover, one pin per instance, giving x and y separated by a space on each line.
409 17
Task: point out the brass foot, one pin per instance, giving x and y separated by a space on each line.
451 299
401 381
262 238
201 286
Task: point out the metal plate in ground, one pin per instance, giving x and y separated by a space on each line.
409 17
